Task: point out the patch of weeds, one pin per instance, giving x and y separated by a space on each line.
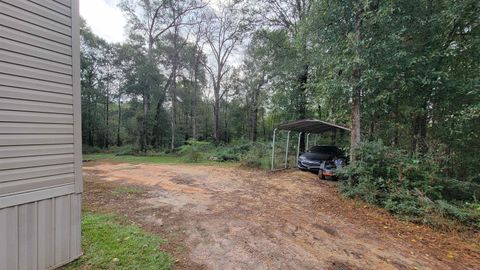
126 190
108 244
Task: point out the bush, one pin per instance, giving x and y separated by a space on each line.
256 156
193 150
408 186
126 150
233 152
91 149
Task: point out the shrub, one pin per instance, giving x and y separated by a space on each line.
233 152
408 186
125 150
87 149
193 150
256 156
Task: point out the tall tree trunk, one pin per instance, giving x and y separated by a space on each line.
107 117
396 130
302 101
226 135
356 95
173 119
216 114
143 137
419 134
119 141
254 124
145 96
264 126
195 92
174 89
90 120
194 115
94 122
254 113
356 128
205 132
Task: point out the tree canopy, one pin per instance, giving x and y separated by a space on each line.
403 72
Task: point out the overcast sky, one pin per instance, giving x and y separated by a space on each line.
105 19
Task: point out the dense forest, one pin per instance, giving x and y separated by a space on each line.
404 75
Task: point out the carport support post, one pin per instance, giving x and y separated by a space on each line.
286 150
308 135
298 145
273 148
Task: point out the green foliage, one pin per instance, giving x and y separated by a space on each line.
157 159
125 150
412 187
87 149
108 244
257 156
231 152
194 150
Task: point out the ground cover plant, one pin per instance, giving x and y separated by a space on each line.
108 243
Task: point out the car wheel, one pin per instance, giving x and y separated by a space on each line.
320 175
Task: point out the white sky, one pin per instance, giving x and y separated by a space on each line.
105 18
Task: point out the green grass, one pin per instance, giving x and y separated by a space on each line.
161 159
107 244
126 190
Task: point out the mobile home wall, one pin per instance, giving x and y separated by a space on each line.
40 129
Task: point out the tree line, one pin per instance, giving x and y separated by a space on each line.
404 72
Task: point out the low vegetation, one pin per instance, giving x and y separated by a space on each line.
412 187
109 244
248 154
416 188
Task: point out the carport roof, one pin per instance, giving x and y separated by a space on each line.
311 126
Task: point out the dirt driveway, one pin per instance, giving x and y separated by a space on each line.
231 218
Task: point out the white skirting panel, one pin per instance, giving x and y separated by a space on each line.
40 235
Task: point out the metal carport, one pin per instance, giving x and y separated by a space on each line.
307 127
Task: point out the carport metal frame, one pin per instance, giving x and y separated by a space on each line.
305 126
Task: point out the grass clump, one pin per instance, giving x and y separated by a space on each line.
108 244
413 188
126 190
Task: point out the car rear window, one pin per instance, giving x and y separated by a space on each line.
331 150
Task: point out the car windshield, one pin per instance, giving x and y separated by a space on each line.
331 150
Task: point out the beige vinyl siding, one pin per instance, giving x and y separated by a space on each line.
35 172
33 128
30 150
35 41
40 235
41 10
33 18
34 95
40 136
7 80
34 61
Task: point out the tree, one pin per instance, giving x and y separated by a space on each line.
148 21
224 31
286 18
98 73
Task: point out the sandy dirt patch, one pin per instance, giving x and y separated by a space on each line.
231 218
